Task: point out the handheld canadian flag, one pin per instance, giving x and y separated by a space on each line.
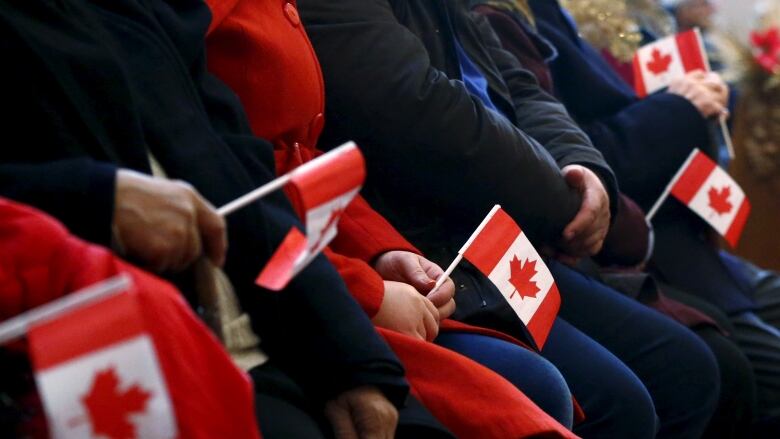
99 376
658 63
325 186
710 192
502 252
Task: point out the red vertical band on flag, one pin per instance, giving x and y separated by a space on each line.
281 267
639 78
492 242
329 175
694 176
691 51
540 324
735 229
88 329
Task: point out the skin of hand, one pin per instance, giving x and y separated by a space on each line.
719 87
405 310
419 272
585 234
706 91
362 413
165 224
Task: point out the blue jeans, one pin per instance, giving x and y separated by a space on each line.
536 377
676 367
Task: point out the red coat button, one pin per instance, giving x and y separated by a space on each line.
292 14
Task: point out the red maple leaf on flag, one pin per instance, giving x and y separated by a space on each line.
719 199
520 278
109 408
659 63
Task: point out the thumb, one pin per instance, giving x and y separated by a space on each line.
574 177
416 276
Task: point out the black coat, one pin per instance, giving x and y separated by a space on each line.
438 159
95 86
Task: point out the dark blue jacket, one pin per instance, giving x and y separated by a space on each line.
645 142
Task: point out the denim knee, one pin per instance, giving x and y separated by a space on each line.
536 377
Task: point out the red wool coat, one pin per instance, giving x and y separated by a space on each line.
40 261
261 50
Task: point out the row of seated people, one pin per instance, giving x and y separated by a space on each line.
130 119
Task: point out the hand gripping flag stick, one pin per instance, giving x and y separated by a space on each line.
18 326
280 182
724 129
443 278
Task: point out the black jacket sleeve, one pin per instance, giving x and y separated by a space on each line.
544 118
79 192
413 120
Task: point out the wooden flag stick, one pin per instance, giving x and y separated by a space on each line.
724 129
443 278
255 195
668 190
18 326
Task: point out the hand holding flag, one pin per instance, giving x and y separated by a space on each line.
660 64
502 252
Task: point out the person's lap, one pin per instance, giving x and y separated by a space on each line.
536 377
677 368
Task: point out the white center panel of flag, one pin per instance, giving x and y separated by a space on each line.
133 362
720 186
523 250
665 53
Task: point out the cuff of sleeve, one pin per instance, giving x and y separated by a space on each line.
364 283
99 203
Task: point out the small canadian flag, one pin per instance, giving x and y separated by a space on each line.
99 376
325 186
710 192
500 250
658 63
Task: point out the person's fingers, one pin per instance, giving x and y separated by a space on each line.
212 231
444 294
191 249
340 421
581 222
415 275
446 310
698 75
431 321
432 269
575 177
594 243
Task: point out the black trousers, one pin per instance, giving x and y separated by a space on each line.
284 412
737 407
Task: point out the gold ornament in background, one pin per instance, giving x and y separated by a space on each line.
606 25
759 109
653 17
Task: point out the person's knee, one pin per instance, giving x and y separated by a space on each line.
701 374
625 409
536 377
